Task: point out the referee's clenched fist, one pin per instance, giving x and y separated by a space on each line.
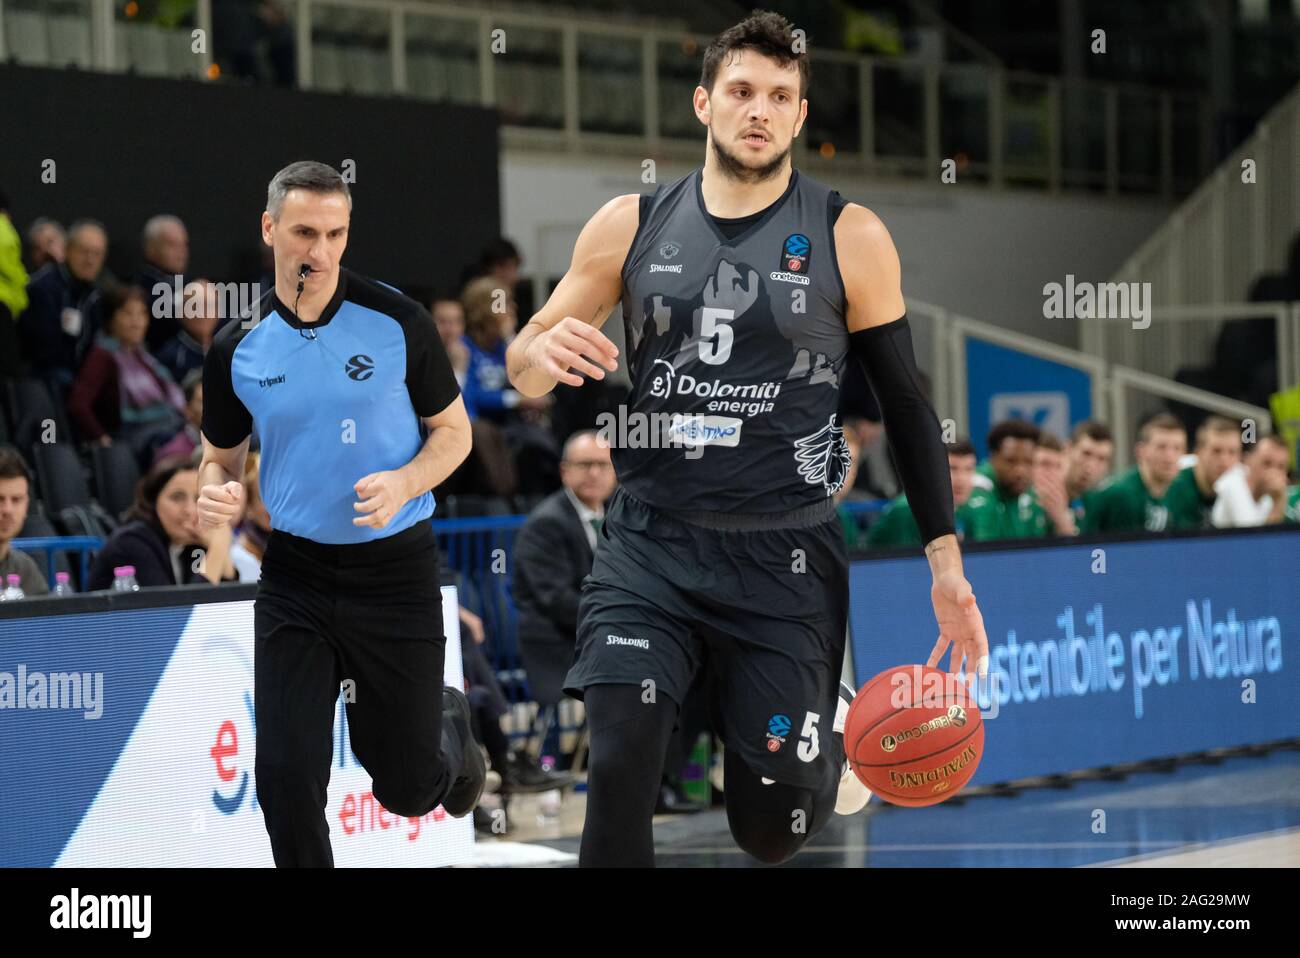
221 504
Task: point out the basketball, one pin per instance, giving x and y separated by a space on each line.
914 735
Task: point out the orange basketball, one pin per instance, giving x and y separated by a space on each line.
914 735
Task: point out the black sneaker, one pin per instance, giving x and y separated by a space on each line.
522 775
467 788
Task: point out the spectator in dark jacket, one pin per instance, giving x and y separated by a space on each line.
123 393
63 314
166 247
163 540
553 554
183 353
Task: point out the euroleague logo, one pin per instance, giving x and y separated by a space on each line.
360 368
778 728
795 253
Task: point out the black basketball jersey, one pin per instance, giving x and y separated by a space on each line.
736 350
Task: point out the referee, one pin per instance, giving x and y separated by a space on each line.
338 374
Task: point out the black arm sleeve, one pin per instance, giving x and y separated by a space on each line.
910 424
226 420
430 381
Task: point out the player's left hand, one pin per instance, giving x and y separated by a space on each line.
382 495
960 625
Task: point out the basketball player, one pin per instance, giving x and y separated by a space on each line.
745 286
339 376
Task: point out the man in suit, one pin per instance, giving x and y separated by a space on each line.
553 554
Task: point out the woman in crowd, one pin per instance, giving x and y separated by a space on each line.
163 540
122 393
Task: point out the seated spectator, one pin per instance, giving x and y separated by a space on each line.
183 353
1134 500
63 315
553 554
897 527
122 393
163 540
46 243
1008 510
489 325
1090 452
166 246
1253 492
13 292
254 528
189 438
1048 484
1191 493
15 489
449 317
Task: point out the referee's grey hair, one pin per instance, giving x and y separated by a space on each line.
304 175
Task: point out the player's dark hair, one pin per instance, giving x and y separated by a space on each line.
764 32
304 175
500 250
961 447
1093 429
1012 429
1216 425
1050 440
1161 421
1267 437
12 466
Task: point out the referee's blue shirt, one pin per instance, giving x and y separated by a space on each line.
332 401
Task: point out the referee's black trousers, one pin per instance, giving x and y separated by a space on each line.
368 617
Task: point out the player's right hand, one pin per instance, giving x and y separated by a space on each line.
574 345
221 504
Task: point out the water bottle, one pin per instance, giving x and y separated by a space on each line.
548 805
124 579
63 584
13 588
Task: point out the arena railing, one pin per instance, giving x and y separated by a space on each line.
52 546
941 346
579 83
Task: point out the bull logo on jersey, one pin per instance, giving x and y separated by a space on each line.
795 253
669 250
824 457
360 368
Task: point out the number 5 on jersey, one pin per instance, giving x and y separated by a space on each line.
717 351
809 748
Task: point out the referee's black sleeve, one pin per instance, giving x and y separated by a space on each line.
429 378
226 420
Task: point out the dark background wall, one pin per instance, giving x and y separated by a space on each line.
425 201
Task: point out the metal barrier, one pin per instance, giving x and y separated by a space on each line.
50 545
943 347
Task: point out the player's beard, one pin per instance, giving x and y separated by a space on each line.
730 166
